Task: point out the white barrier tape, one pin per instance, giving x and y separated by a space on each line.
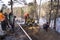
25 32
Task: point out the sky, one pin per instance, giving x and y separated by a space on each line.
20 5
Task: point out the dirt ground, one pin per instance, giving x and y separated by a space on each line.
36 33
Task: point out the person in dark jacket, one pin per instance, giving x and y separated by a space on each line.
6 18
4 23
11 21
2 20
46 26
11 18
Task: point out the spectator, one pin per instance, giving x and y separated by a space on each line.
46 26
2 20
11 20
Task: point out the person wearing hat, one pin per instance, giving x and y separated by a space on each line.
2 20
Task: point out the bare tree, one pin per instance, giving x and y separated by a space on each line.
35 12
50 12
56 13
11 2
35 7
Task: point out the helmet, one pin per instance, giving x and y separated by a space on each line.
26 14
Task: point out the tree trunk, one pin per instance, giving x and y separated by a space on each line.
56 15
50 13
11 6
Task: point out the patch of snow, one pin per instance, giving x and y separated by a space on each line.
20 20
51 24
57 24
42 21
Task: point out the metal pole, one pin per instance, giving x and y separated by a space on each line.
24 31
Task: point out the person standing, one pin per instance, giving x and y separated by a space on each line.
2 20
11 21
46 26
